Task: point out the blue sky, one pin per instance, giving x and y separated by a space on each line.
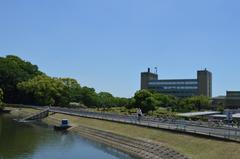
105 44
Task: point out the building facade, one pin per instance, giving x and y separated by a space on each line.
230 101
202 85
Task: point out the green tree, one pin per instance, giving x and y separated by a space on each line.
72 89
184 105
141 96
44 90
14 70
121 102
1 99
164 100
88 97
131 104
201 102
106 100
220 107
194 103
23 83
149 104
142 99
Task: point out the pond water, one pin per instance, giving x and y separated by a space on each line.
39 141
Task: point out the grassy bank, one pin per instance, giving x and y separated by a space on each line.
22 112
194 147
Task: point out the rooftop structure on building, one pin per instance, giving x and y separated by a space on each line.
202 85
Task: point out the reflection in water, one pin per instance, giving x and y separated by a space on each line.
38 141
107 149
15 139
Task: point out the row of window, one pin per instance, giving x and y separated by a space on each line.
182 94
177 87
179 93
173 83
233 94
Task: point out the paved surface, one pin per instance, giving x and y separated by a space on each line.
201 128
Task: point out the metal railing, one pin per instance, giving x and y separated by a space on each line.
193 127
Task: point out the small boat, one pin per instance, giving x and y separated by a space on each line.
64 125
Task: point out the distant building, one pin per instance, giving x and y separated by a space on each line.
202 85
230 101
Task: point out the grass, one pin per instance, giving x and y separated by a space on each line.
22 112
118 110
193 147
159 112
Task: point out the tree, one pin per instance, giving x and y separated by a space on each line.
44 90
14 70
141 96
23 83
194 103
142 99
88 97
73 89
131 103
149 104
184 105
164 100
220 107
105 100
1 99
201 102
121 102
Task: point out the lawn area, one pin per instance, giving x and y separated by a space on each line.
194 147
22 112
122 110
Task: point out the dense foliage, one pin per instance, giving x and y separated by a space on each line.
44 90
12 71
150 101
196 103
23 83
1 99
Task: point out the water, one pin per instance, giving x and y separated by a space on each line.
39 141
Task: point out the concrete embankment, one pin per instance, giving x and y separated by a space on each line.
139 148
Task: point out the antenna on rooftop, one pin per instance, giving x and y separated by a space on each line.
155 69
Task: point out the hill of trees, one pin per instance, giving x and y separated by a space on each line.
23 83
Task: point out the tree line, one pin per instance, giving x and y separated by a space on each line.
149 100
23 83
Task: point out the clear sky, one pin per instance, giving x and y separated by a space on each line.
105 44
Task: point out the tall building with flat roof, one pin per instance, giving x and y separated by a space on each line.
204 78
146 77
202 85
